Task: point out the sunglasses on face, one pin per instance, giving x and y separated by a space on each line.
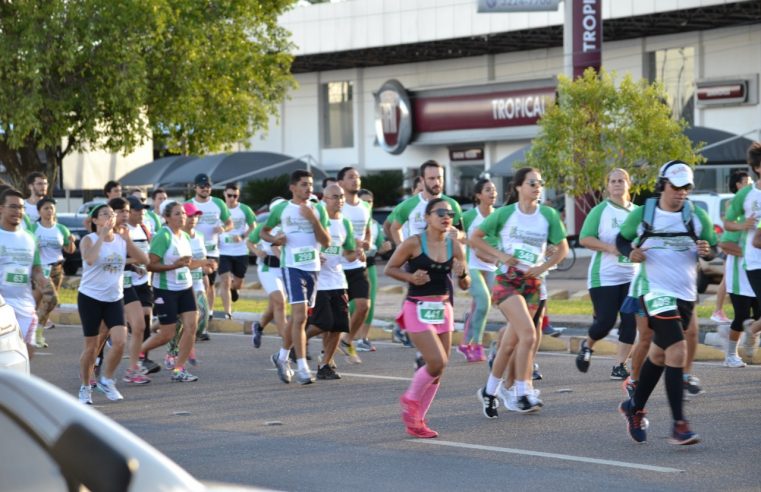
686 187
232 196
535 183
442 212
203 186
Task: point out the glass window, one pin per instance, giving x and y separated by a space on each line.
337 115
675 69
24 465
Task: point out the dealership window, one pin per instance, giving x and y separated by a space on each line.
675 69
337 115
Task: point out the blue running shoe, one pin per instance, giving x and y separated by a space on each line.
634 421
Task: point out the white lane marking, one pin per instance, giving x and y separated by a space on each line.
566 457
367 376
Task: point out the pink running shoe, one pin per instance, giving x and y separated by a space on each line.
135 376
422 431
410 412
478 353
465 351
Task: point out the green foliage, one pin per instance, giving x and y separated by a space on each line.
83 74
386 187
597 126
260 192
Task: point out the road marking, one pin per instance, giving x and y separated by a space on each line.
367 376
566 457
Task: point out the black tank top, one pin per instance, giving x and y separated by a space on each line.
439 272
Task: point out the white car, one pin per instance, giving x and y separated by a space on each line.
52 442
13 352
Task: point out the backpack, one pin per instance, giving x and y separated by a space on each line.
649 215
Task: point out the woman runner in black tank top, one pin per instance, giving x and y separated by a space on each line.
427 313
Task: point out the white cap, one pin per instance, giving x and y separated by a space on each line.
677 173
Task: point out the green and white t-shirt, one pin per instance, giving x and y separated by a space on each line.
376 238
243 217
670 266
524 236
301 247
198 251
604 223
170 248
141 239
332 271
412 212
215 214
735 277
152 221
51 240
747 203
360 216
104 280
470 221
30 210
18 254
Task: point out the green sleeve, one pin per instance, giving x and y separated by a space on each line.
160 243
275 213
350 244
557 232
27 223
324 220
467 219
379 236
254 237
156 221
631 224
731 237
224 212
493 224
707 233
33 229
65 232
402 211
370 215
248 213
591 227
390 218
736 209
457 211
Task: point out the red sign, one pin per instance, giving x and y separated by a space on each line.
586 26
722 92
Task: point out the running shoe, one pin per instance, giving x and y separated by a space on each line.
488 402
39 341
321 360
536 375
283 368
619 372
108 388
629 386
134 376
584 357
396 334
192 359
751 340
549 331
234 295
634 421
363 346
410 412
733 361
492 353
681 434
169 361
49 325
419 361
183 376
150 366
370 344
528 403
93 383
85 395
304 376
692 385
203 337
464 350
507 395
422 431
257 338
718 316
327 373
350 352
478 353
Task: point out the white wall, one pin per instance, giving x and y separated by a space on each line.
91 170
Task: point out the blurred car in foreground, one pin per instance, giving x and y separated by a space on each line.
13 353
52 442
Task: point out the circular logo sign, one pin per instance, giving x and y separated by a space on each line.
393 118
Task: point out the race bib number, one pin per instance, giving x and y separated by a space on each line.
182 275
303 256
656 303
228 239
431 312
196 274
127 280
526 254
332 251
625 261
211 247
46 271
16 276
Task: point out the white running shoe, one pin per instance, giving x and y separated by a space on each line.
108 388
85 395
733 361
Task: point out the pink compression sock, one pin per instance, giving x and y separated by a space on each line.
428 396
420 382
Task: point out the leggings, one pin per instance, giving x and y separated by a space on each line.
607 302
203 320
49 299
372 275
481 284
744 306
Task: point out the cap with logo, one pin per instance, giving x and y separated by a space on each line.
677 173
202 180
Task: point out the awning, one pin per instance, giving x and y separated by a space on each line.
152 173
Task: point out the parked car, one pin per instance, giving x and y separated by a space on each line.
72 262
715 205
52 442
13 353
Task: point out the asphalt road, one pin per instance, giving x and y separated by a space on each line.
240 424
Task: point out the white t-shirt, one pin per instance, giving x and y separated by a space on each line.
215 214
604 223
471 220
31 211
242 217
359 215
198 250
138 236
18 254
104 280
331 271
301 246
51 241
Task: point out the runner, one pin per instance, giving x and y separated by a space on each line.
610 274
304 230
37 183
271 277
233 259
427 313
482 271
153 218
53 239
523 229
170 260
668 241
214 221
330 316
101 299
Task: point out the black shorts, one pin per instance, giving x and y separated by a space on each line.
145 294
238 265
213 275
359 283
331 311
92 312
130 295
669 327
169 304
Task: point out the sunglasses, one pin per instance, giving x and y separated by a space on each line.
442 212
335 197
232 196
203 186
535 183
686 187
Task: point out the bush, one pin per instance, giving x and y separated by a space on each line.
386 186
260 192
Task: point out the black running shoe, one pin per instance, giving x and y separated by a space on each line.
585 355
327 372
619 372
528 404
536 374
489 403
692 386
203 337
234 295
150 366
257 338
419 361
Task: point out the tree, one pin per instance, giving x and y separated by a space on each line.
82 74
597 126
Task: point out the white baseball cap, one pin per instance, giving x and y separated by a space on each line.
677 173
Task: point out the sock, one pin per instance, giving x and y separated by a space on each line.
520 388
428 396
283 354
675 391
420 382
302 364
491 384
649 375
731 348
